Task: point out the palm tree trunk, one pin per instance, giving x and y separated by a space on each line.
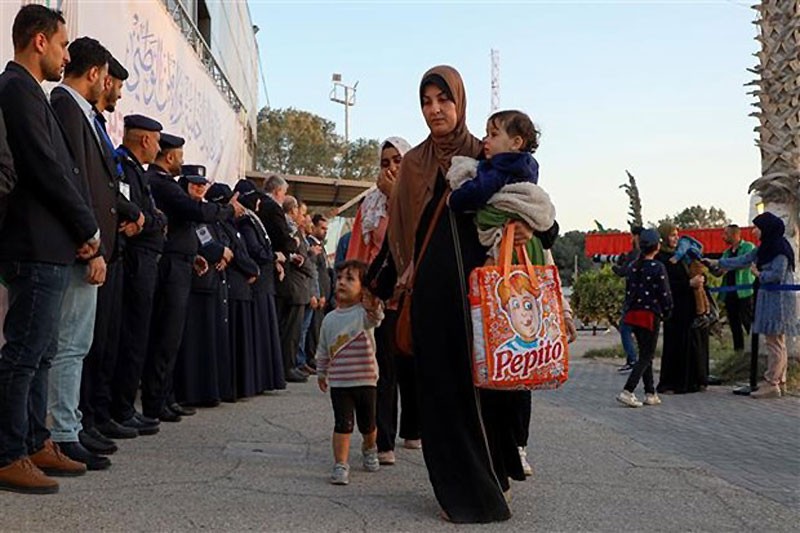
778 92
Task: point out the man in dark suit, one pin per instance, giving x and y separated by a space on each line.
100 363
48 222
294 293
272 215
174 273
316 241
140 146
8 178
73 102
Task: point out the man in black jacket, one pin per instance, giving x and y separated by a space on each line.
272 215
99 364
8 178
48 222
73 102
140 146
174 272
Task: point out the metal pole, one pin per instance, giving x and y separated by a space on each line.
347 117
746 390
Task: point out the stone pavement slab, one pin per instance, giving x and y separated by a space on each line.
262 465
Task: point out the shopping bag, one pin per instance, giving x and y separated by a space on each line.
519 335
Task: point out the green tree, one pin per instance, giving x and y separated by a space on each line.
361 161
598 295
568 246
292 141
698 217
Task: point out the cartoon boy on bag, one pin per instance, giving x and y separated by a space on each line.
520 302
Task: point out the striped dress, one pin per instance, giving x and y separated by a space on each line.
346 350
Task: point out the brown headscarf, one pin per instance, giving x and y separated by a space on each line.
415 184
665 230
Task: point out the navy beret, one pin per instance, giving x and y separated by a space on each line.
219 193
194 173
245 188
141 122
169 142
116 70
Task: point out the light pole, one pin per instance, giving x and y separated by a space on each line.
345 95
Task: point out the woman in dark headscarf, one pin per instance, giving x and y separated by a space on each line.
204 349
684 359
242 272
467 435
267 348
777 312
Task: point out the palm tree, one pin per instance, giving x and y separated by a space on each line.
778 92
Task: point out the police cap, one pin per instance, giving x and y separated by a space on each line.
170 142
141 122
194 174
219 193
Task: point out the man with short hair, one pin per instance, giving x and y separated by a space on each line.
738 303
316 242
48 223
174 273
272 215
99 364
294 293
73 102
140 146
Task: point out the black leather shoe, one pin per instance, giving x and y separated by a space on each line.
113 430
167 415
95 442
140 426
179 409
76 452
147 420
295 376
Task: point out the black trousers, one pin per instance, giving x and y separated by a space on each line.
169 321
395 371
740 317
138 289
100 364
290 324
646 341
521 416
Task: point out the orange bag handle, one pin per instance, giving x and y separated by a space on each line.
507 249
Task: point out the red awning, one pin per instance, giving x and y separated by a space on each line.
619 243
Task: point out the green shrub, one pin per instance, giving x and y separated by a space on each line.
598 296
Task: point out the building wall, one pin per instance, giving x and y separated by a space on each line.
167 80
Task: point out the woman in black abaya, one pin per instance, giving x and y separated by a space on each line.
467 437
684 360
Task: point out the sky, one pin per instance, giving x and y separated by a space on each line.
657 88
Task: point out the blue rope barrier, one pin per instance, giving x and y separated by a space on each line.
765 287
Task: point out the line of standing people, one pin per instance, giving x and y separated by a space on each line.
114 268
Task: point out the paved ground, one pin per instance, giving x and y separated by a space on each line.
263 465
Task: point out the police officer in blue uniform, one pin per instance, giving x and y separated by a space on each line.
140 147
175 273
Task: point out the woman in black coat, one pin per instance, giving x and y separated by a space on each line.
267 348
684 359
243 272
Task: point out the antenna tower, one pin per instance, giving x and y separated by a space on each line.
495 80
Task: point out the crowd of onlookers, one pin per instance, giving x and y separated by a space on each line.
130 274
667 282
